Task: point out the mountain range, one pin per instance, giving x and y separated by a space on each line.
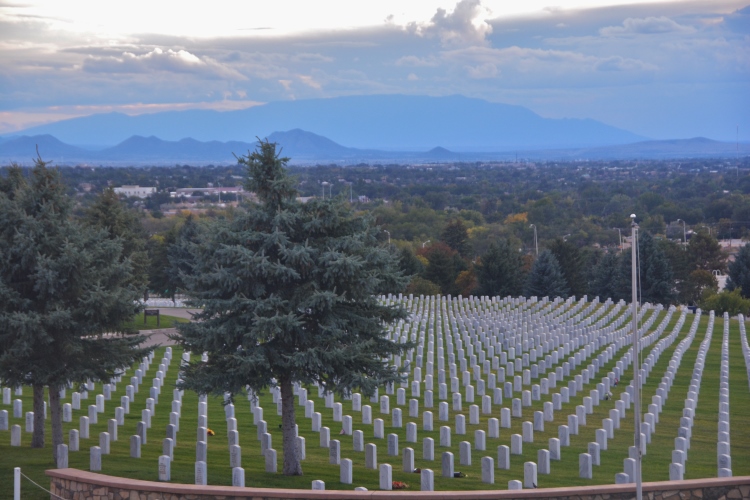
307 148
383 122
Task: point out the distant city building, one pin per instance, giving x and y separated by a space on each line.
135 191
207 191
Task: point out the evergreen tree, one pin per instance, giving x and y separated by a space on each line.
108 213
180 254
62 284
500 271
456 236
443 267
739 272
546 278
289 293
657 285
606 280
409 264
571 262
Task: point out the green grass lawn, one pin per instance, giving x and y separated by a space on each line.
165 321
701 458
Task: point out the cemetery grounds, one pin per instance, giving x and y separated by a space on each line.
474 330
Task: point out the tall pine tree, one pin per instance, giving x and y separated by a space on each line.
571 262
62 285
500 271
739 272
606 278
289 293
546 278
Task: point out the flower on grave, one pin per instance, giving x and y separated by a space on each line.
210 432
399 485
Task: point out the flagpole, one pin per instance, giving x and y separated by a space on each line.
636 358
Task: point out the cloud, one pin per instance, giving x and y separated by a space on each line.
465 25
646 26
175 61
486 70
417 61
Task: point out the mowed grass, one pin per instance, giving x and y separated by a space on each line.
702 458
165 321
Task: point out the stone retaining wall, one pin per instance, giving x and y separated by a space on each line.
74 484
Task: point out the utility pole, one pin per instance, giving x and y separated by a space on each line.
536 244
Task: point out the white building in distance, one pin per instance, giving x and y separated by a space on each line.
135 191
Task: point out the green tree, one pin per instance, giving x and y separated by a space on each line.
739 272
698 283
420 286
289 293
606 279
571 262
442 268
62 285
728 301
546 278
500 271
657 284
705 253
108 213
456 236
409 263
180 254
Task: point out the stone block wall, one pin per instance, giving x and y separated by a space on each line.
75 484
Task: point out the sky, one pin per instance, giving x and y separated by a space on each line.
664 70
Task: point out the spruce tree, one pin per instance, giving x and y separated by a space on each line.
739 272
456 236
606 280
500 271
289 293
108 213
546 278
62 285
571 263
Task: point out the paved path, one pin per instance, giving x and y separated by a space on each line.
159 337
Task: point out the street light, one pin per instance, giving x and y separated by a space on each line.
684 232
424 243
565 238
707 227
324 184
536 244
389 235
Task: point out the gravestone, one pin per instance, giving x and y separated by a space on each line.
95 459
386 477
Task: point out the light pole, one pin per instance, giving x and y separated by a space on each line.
684 232
323 184
620 233
707 227
424 243
389 235
536 244
636 361
565 238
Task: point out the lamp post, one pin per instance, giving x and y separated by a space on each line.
707 227
324 184
684 232
636 360
536 244
424 243
565 238
389 235
620 233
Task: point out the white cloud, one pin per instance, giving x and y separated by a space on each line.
482 71
465 25
415 61
177 61
646 26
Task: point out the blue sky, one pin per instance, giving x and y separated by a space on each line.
672 69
